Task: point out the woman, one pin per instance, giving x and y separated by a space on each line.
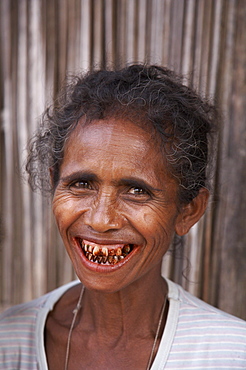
126 155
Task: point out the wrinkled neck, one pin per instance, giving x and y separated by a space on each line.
132 311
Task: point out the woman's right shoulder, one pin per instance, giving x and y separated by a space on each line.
22 313
18 335
28 311
21 330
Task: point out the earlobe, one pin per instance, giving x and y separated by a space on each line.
192 212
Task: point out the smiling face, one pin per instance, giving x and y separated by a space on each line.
115 204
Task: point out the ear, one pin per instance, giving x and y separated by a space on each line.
191 213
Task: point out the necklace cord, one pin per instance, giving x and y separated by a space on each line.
75 314
157 334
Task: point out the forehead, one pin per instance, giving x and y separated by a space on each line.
115 145
113 134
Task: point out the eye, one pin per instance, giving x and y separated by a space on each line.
137 191
80 184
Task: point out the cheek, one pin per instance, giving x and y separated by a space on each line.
64 211
158 225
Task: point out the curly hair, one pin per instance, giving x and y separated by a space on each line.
152 95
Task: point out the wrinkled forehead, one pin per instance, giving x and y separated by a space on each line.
113 152
117 127
116 137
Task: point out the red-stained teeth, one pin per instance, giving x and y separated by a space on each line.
104 255
118 252
96 251
126 249
105 251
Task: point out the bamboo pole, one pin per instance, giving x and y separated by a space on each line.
97 44
86 37
176 35
42 41
25 243
142 31
109 34
7 117
36 106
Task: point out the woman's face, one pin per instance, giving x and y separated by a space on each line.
115 203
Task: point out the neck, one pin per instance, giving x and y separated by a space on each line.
132 311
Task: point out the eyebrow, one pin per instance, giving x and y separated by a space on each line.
85 175
136 182
127 181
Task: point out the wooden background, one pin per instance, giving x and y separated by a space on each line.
41 41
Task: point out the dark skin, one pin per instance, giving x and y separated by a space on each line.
110 344
128 197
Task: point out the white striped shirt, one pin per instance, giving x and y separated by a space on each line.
197 336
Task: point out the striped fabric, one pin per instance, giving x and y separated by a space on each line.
21 332
17 338
204 338
196 336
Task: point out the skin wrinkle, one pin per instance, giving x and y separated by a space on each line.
115 186
106 207
113 170
93 201
151 95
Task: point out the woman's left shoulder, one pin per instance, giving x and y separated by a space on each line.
202 336
201 311
194 309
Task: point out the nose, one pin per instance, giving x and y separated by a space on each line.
103 214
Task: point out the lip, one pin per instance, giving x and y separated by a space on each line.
104 267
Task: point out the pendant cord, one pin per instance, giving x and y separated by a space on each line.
157 334
75 313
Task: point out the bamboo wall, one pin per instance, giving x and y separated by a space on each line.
41 41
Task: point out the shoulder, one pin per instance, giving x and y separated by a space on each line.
26 312
205 335
194 308
17 333
22 317
21 324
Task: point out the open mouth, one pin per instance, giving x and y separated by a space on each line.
102 254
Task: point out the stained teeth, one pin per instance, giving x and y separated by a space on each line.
105 251
126 249
96 251
105 255
99 259
118 252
